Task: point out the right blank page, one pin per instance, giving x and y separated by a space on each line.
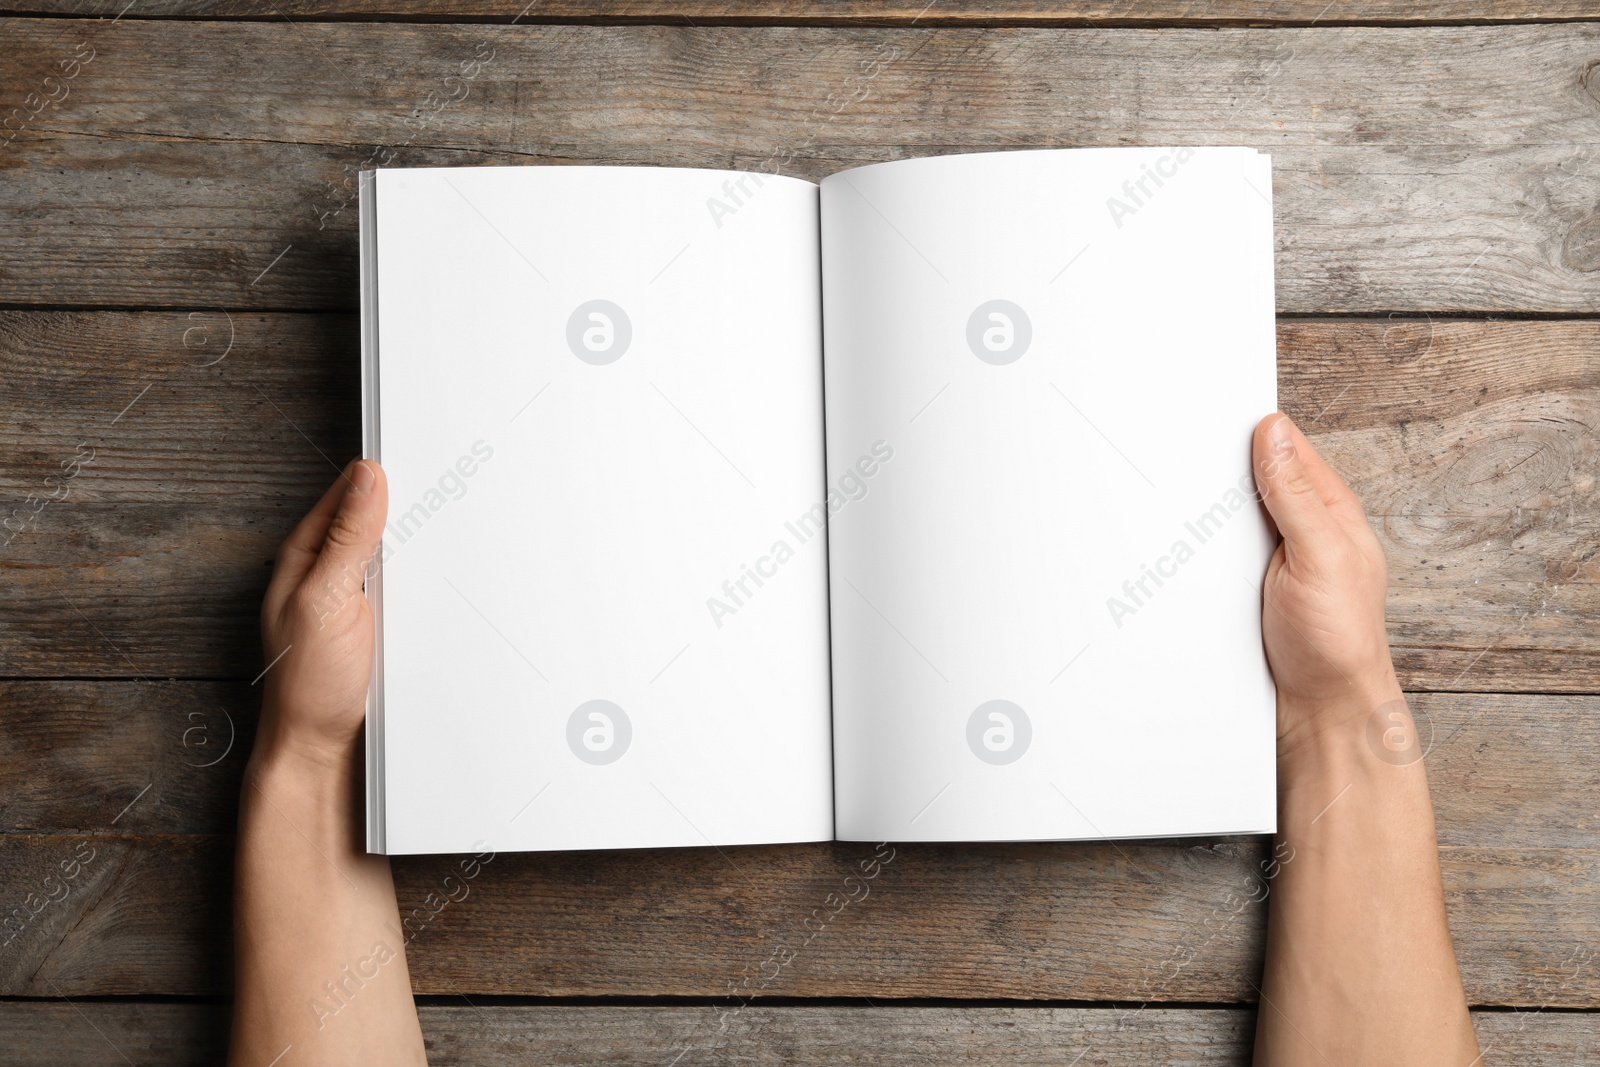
1046 608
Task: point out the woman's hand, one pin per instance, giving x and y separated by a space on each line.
1357 922
316 629
1322 616
309 903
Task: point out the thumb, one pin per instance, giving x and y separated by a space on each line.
1287 489
351 545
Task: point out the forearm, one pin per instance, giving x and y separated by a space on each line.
1360 968
319 958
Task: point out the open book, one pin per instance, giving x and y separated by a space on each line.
726 508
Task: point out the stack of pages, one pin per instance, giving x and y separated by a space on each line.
730 508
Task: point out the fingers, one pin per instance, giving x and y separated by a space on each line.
1339 497
342 517
354 532
299 550
1293 497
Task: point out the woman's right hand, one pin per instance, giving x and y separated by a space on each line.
1323 611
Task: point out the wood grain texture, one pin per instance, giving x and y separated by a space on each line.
1463 472
868 12
988 13
180 1035
175 1035
1472 444
116 912
147 910
1512 778
1417 169
1131 922
160 757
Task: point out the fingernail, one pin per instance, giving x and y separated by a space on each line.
362 478
1282 435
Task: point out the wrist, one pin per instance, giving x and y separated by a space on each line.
1359 749
312 788
1335 727
285 744
304 774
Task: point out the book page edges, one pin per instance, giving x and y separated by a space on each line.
371 449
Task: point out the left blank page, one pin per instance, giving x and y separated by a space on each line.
599 398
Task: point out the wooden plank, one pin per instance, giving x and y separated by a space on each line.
1482 491
46 1033
867 12
159 906
204 467
893 1035
1507 771
74 755
1513 780
1418 169
489 1036
51 1033
1128 922
912 1036
141 591
1469 441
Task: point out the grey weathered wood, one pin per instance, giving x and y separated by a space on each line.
1431 168
206 468
1471 443
236 408
141 591
129 914
1512 778
50 1033
1463 473
887 12
1135 921
73 755
45 1033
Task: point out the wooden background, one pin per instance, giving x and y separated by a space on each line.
177 293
